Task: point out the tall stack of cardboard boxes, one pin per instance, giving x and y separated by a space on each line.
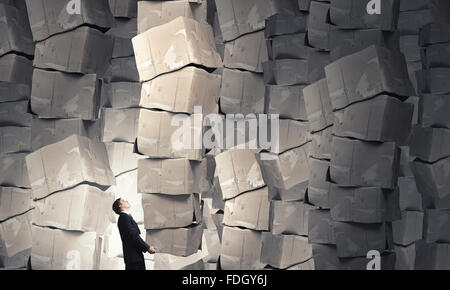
431 139
357 192
292 65
72 207
174 53
239 178
68 173
16 53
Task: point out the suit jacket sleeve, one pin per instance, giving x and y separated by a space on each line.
132 234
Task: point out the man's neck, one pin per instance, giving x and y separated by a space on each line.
126 211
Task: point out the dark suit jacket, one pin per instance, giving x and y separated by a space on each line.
132 244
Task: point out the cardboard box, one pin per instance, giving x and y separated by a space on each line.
364 205
183 139
409 47
405 257
13 170
291 134
410 198
63 250
433 81
182 91
430 144
15 139
121 157
287 72
165 211
65 96
319 187
123 47
124 8
322 144
83 50
83 208
241 17
249 210
436 202
10 92
440 10
352 14
122 70
289 217
78 160
433 110
288 102
291 46
15 114
166 176
16 262
156 13
356 240
180 242
121 95
241 249
321 227
242 92
432 179
193 262
357 77
211 245
290 250
318 105
175 50
305 266
318 25
48 131
296 193
287 169
432 33
14 201
248 52
49 17
281 24
409 229
345 42
120 125
360 163
238 172
436 226
432 256
383 118
15 69
15 31
325 258
124 28
15 238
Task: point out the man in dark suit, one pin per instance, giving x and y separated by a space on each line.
132 244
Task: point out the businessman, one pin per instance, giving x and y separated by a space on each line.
132 244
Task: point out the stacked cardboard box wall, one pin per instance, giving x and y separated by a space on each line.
69 170
430 141
246 183
16 54
357 192
175 52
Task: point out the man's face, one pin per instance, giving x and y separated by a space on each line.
124 205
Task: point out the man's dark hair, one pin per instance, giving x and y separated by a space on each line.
116 206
